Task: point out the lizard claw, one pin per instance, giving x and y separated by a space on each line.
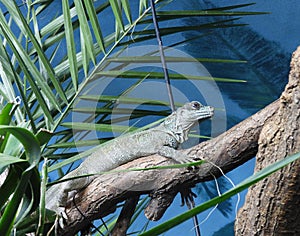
64 215
187 198
61 217
183 159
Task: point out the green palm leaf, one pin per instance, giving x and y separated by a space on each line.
70 43
49 67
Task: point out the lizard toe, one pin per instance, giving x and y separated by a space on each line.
62 213
61 217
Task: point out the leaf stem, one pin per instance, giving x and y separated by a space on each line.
162 55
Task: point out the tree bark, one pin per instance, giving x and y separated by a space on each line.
123 222
272 205
228 150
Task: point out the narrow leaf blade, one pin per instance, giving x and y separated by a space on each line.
71 49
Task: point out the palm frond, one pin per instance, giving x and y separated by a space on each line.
52 68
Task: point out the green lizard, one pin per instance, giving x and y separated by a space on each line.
163 140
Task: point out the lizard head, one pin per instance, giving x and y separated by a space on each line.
181 121
191 113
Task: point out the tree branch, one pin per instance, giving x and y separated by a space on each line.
227 151
124 218
272 205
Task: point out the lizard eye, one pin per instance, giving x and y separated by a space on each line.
196 105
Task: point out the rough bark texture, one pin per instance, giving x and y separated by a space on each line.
227 151
272 205
125 216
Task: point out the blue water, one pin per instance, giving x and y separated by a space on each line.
266 43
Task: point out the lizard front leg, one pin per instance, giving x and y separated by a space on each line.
176 155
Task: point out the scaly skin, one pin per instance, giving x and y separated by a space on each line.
163 140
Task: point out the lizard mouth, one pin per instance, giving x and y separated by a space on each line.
205 112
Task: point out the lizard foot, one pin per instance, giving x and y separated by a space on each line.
183 159
178 156
187 198
61 217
